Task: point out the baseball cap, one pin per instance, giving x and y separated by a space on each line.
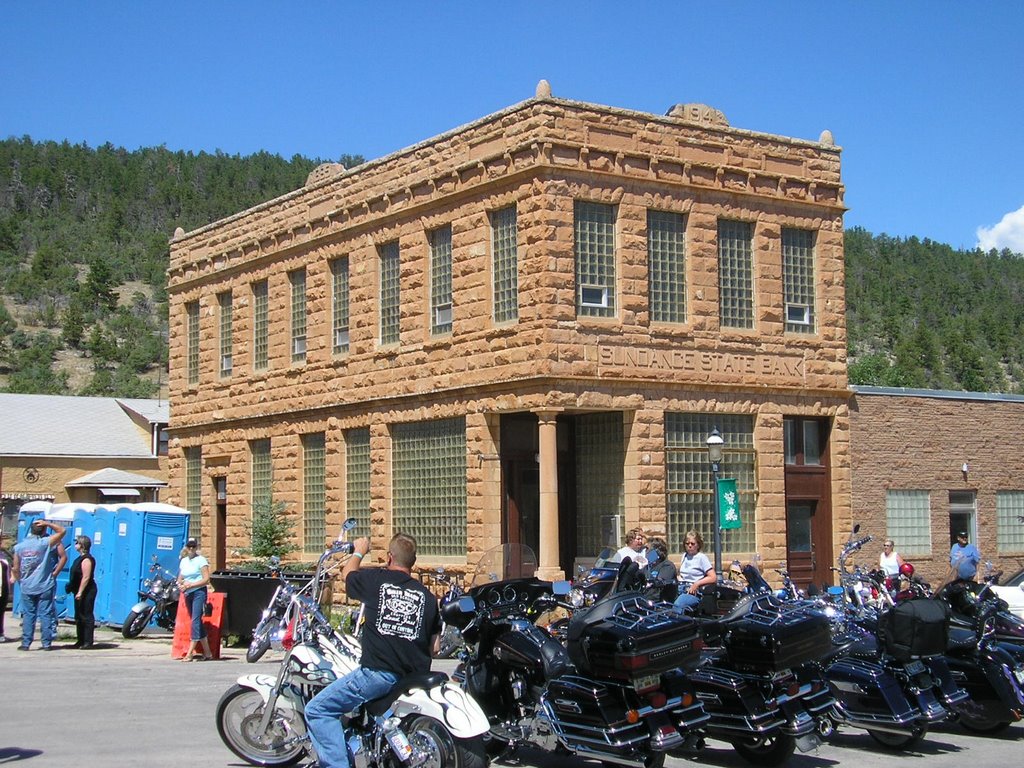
191 543
962 535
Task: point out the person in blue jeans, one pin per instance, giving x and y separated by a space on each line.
395 643
193 577
37 563
695 571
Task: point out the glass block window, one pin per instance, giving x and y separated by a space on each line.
314 490
297 279
441 280
798 280
193 488
1010 521
357 480
595 259
505 264
262 481
736 274
225 305
600 491
690 484
429 493
666 257
339 305
192 342
389 293
908 517
260 325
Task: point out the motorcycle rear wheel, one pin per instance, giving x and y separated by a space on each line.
442 748
238 716
260 642
766 750
898 741
984 725
136 621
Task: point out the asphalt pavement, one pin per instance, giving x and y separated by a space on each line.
127 703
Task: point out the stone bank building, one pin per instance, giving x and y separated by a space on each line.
524 330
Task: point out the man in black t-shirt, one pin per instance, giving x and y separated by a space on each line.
401 631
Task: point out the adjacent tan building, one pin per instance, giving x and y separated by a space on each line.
524 330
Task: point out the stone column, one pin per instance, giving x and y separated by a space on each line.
547 439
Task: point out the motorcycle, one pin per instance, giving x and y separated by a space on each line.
272 624
614 692
451 638
159 602
424 721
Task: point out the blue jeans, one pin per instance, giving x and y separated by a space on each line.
686 602
41 607
195 602
324 711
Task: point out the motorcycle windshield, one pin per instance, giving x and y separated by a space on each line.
506 561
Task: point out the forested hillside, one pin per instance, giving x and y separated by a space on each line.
83 254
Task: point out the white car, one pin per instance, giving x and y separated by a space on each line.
1012 591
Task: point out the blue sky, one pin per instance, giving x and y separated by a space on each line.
924 97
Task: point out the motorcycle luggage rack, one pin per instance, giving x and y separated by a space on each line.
633 611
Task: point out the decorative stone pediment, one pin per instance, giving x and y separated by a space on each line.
701 114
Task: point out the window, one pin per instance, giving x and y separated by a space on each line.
262 472
339 305
162 439
798 279
600 489
297 279
1010 521
193 488
224 304
314 507
803 440
260 325
908 517
429 493
595 259
192 337
357 480
690 484
505 266
389 293
441 280
666 256
736 274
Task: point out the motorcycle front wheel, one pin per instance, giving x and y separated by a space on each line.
260 642
442 749
238 718
136 621
766 750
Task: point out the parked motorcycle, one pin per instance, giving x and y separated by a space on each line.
159 602
272 624
451 638
614 692
424 721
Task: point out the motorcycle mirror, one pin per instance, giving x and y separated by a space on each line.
467 604
856 529
349 524
274 561
653 557
561 587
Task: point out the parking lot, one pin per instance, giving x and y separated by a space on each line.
127 703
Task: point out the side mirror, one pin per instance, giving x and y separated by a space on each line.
349 524
467 604
652 557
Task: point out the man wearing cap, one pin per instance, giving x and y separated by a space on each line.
38 561
964 557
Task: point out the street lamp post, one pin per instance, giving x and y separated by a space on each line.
714 444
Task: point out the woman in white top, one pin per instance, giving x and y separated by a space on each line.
193 578
890 560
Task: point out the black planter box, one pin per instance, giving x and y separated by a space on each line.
248 593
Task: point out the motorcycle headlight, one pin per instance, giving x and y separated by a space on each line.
576 597
147 583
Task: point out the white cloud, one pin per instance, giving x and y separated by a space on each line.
1008 233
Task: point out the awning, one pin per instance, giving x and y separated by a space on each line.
119 491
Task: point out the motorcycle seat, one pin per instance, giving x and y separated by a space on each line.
404 686
961 639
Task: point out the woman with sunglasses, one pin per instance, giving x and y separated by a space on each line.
890 561
193 576
82 584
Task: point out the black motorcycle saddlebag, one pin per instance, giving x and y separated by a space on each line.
629 638
773 636
915 628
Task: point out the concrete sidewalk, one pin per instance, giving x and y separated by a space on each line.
152 642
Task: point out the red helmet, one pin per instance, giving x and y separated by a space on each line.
907 570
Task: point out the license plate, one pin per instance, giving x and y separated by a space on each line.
645 682
914 668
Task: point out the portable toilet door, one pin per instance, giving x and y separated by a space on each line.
127 571
30 512
97 522
65 515
164 533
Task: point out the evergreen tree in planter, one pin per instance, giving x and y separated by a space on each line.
270 532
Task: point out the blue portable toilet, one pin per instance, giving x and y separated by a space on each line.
97 522
60 513
142 532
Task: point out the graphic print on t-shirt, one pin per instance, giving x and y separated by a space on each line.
400 612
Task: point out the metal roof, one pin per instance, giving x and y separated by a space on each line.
937 394
110 478
54 425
